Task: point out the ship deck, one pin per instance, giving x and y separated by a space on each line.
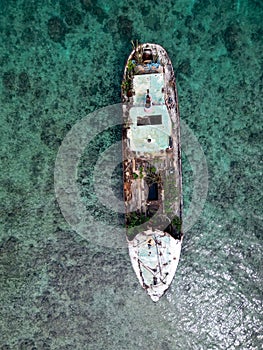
153 82
149 142
152 134
149 128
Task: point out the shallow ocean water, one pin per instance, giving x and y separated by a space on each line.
61 61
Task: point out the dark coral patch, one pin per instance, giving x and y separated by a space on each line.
87 4
56 29
49 134
74 18
110 27
9 80
192 38
231 37
28 35
184 68
69 11
94 9
125 27
23 83
152 22
9 245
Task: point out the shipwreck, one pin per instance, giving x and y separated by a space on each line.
152 175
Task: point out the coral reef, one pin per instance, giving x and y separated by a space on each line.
61 60
56 29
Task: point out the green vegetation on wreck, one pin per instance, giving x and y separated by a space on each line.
135 219
171 196
133 222
126 85
130 66
177 223
153 176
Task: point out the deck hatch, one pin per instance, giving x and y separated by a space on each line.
149 120
153 192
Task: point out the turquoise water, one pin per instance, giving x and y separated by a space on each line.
63 60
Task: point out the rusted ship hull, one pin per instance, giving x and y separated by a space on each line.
152 167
